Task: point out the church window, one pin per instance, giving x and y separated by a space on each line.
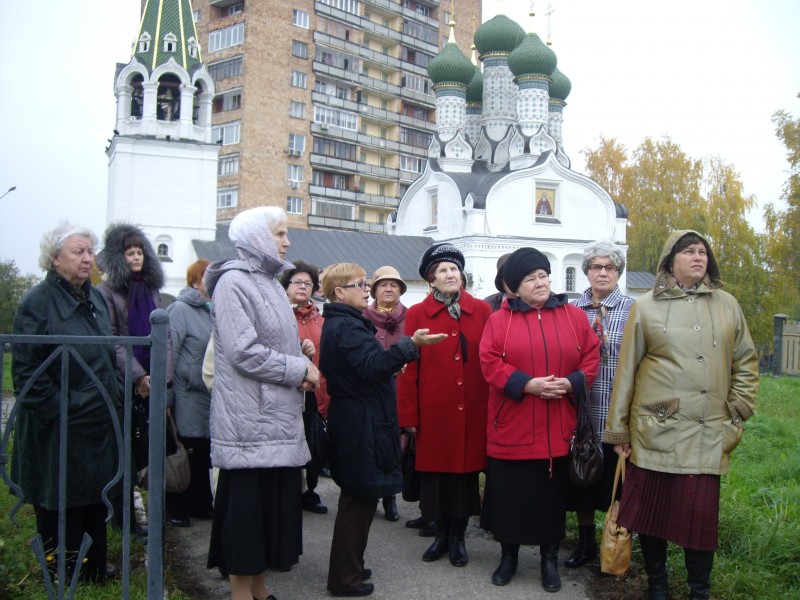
144 42
193 47
294 205
168 98
170 43
300 18
162 251
228 165
433 196
228 197
570 279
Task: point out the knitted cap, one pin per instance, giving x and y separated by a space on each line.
440 253
520 263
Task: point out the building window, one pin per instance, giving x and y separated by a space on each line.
570 279
228 197
144 42
411 163
333 148
294 205
235 9
294 173
225 69
337 210
297 144
348 6
196 16
228 165
420 31
194 47
225 38
297 110
299 79
299 49
230 100
228 133
170 43
162 251
330 116
414 137
433 195
300 18
417 83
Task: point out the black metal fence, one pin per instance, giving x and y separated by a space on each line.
64 349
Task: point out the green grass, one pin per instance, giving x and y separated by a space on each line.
759 530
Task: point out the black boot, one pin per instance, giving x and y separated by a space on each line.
698 566
390 509
586 549
439 545
508 564
654 551
551 582
458 549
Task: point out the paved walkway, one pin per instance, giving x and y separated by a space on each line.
394 554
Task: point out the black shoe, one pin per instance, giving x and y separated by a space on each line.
417 523
180 522
457 547
439 546
317 507
654 552
390 509
508 565
365 589
551 581
429 529
325 472
586 549
366 574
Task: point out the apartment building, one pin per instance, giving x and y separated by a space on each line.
324 107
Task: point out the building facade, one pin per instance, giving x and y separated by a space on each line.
323 107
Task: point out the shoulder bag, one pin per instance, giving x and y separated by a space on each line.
615 544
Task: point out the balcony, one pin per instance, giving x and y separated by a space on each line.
223 3
334 223
353 196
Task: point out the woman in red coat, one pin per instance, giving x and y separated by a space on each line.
442 400
538 354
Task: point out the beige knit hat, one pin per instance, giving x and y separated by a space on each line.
387 273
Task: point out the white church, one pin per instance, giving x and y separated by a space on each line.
497 176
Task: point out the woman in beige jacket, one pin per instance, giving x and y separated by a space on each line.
687 379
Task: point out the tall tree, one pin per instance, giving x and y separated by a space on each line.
607 164
13 284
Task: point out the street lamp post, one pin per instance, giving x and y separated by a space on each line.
11 189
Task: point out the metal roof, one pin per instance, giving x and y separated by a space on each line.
326 247
640 280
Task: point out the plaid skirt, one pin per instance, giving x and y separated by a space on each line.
683 509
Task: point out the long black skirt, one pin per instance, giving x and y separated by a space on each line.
258 521
523 502
597 496
446 495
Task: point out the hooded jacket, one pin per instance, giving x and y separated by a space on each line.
518 344
687 375
190 327
256 405
115 289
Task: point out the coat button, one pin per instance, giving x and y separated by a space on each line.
457 357
691 299
704 392
736 420
662 413
454 333
460 407
263 386
702 422
459 382
700 358
696 327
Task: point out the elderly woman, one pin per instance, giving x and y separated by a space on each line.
442 400
607 311
65 303
256 422
538 354
299 283
388 315
687 379
190 327
362 420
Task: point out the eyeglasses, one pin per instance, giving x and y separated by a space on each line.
359 284
299 283
598 268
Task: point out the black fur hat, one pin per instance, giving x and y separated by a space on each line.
111 259
440 253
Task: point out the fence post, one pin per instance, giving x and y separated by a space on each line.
155 470
777 343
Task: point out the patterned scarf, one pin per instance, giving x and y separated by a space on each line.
599 326
451 302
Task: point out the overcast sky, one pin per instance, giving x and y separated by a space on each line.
707 73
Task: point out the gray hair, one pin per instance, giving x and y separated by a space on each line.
53 242
247 221
604 248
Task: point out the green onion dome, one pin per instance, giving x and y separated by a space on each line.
451 66
475 87
498 35
532 57
560 85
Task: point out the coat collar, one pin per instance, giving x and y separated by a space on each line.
432 307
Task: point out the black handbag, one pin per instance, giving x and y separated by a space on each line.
585 449
411 483
317 439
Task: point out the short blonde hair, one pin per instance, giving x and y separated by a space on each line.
53 242
338 275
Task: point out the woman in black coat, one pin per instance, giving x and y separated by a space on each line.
362 419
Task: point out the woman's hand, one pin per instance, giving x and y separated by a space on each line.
311 380
143 386
308 348
411 430
421 337
623 450
548 388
